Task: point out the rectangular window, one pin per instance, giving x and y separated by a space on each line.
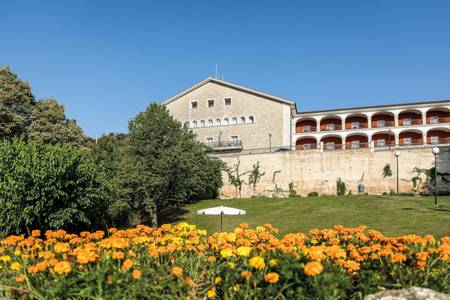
210 103
381 143
381 123
407 141
194 104
227 101
330 146
407 122
307 128
234 140
209 141
434 120
330 127
434 140
355 125
355 144
306 146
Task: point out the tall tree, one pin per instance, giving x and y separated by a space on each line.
16 104
50 124
165 164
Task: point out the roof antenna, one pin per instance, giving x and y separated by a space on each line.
217 67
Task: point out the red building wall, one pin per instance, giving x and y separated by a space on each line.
415 118
336 121
389 120
301 124
362 122
416 137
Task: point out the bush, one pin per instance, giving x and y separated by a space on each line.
183 262
340 187
313 194
48 186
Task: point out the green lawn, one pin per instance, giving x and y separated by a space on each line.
389 214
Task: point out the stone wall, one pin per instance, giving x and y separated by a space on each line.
313 171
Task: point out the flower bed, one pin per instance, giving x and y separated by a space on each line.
181 261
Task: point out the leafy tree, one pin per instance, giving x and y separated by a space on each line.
340 187
16 103
49 186
165 165
50 124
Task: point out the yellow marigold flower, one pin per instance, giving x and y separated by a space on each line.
61 248
5 258
117 255
231 265
313 268
211 293
136 274
127 264
271 277
217 280
226 253
21 278
177 271
243 251
246 274
236 287
257 262
273 262
62 267
15 266
109 279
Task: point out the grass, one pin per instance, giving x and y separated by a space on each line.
392 215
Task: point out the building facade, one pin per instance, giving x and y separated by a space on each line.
235 119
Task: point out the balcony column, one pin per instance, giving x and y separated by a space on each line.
397 138
423 111
396 119
343 118
369 119
424 137
318 119
344 140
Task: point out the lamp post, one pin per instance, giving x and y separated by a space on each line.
397 154
435 152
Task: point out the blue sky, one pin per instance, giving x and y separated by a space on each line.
107 60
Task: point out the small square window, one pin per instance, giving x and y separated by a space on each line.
355 125
307 128
234 140
306 146
355 144
330 127
209 141
210 103
194 104
381 123
227 101
434 140
434 120
407 141
381 143
330 146
407 122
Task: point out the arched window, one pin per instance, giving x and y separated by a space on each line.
226 121
242 120
210 123
234 121
202 123
194 124
186 124
251 119
218 122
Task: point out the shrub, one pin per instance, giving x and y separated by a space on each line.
48 186
340 187
313 194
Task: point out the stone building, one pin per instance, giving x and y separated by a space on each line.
234 119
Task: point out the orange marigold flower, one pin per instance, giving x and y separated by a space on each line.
313 268
422 256
271 277
177 271
36 233
117 255
189 282
61 247
127 264
212 259
246 274
136 274
62 267
21 278
398 257
257 262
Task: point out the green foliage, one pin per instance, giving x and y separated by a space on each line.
165 166
50 124
313 194
387 171
424 181
292 191
340 187
49 186
255 175
16 104
235 177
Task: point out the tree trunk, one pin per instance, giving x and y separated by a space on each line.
154 217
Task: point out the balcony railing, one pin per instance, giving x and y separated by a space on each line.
356 145
439 141
385 144
303 129
350 126
306 147
225 145
411 122
382 125
330 128
438 120
410 143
